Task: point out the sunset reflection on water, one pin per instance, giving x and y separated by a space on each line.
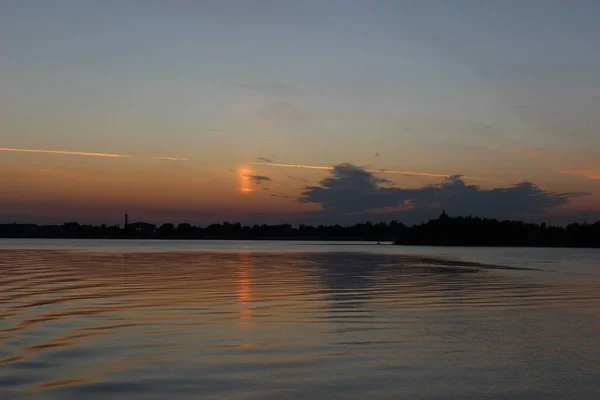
244 285
295 324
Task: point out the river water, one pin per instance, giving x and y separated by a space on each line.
296 320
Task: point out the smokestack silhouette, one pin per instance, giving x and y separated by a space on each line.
126 220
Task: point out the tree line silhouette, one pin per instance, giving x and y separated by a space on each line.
474 231
443 231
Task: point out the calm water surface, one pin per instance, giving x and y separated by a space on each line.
296 320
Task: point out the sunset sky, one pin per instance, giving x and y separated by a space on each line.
298 111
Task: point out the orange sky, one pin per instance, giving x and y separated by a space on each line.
101 190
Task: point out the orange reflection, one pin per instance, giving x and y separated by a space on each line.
243 285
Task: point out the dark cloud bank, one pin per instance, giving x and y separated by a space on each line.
351 194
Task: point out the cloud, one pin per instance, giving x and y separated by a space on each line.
265 160
352 191
258 179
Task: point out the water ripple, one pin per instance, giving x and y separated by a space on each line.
267 324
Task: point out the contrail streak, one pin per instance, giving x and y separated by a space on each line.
86 154
381 171
171 158
70 153
292 166
319 167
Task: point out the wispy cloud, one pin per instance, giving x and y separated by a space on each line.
258 179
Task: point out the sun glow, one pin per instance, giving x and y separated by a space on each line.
244 175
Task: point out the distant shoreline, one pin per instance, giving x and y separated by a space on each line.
443 231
